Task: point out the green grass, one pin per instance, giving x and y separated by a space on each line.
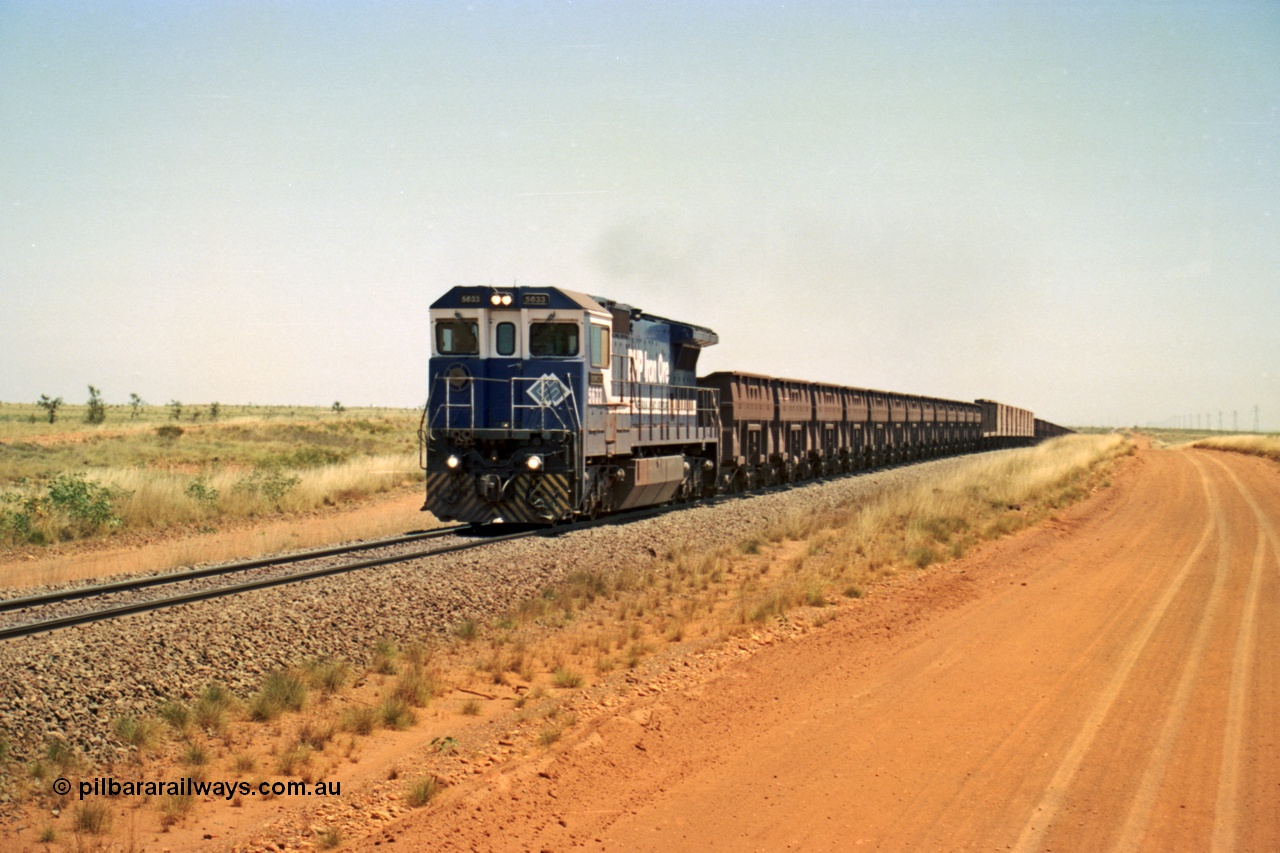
141 733
153 472
282 690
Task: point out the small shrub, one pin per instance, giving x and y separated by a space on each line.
87 505
316 734
197 755
421 791
444 745
268 482
293 758
361 720
176 714
212 708
169 432
566 678
471 708
396 713
415 688
384 656
922 557
282 691
140 733
465 630
174 807
93 817
201 492
97 411
328 676
329 838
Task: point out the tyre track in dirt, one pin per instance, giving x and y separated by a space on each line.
1099 683
1047 811
1227 812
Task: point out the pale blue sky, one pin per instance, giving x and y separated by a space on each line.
1073 207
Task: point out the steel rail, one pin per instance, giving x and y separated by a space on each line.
60 596
26 629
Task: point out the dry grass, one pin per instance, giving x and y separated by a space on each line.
422 791
194 473
157 499
1266 446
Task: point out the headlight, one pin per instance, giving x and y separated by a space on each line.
534 462
453 462
496 299
506 299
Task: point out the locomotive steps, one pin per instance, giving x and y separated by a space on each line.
599 607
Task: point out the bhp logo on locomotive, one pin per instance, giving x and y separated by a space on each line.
650 364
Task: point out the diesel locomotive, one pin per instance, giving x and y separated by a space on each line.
547 405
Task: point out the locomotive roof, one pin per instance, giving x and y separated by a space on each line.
477 296
473 296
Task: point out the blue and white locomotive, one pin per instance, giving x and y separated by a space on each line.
547 405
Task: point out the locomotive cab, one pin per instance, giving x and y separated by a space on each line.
508 385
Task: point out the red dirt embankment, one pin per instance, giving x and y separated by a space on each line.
1103 681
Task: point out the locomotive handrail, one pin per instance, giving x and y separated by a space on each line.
670 412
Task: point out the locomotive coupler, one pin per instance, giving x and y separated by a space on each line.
490 487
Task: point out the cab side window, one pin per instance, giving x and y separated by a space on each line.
599 346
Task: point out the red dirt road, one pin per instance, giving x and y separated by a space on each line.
1106 681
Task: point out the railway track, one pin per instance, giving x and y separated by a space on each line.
120 598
